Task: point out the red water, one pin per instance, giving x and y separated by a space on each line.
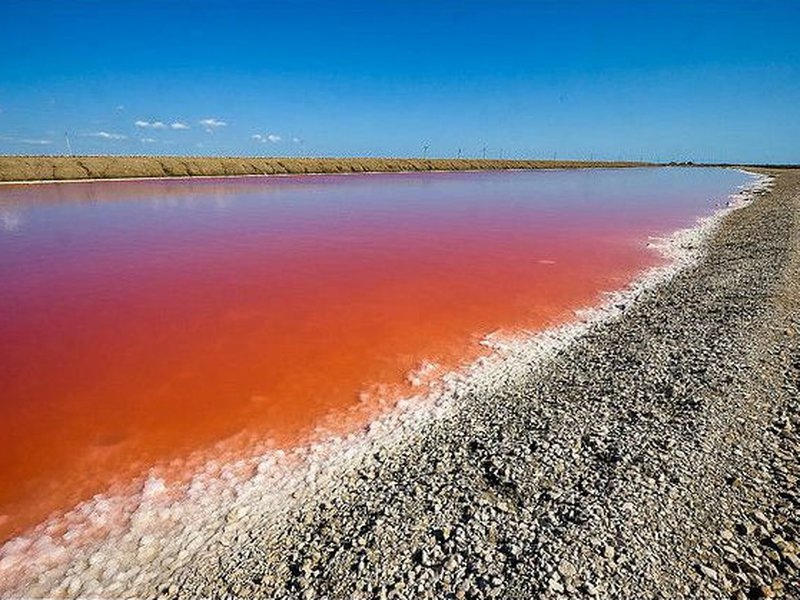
140 321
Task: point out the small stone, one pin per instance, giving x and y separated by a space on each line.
451 564
726 534
773 555
609 552
589 588
761 518
567 569
708 572
309 594
792 559
554 585
74 586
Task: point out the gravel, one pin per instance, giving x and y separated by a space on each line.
654 456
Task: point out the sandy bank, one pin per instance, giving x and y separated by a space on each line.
61 168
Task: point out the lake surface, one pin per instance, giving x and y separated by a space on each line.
142 321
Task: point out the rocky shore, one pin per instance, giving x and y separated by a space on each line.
656 456
647 450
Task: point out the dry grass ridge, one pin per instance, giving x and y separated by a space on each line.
56 168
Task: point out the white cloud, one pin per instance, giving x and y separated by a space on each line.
107 136
297 140
120 107
29 141
147 140
179 125
150 124
212 124
267 137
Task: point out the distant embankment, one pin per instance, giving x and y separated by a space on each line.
55 168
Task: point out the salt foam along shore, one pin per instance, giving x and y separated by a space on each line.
129 544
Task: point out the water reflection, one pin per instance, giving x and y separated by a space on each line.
11 219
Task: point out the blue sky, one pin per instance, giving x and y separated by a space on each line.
713 81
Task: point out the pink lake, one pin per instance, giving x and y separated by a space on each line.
141 321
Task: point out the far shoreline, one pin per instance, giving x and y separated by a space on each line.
23 170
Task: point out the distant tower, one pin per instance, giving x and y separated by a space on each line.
459 153
425 150
484 153
69 146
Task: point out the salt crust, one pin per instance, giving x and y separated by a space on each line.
130 544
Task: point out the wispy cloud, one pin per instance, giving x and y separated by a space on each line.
120 107
212 124
179 125
147 140
28 141
150 124
297 140
267 137
106 135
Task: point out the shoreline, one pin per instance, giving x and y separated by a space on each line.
649 457
381 438
27 170
186 178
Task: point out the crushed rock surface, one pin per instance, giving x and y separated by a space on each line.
654 457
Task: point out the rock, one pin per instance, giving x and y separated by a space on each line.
762 519
589 588
567 569
708 572
554 585
792 559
